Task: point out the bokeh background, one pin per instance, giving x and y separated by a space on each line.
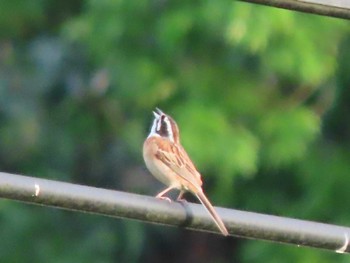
261 96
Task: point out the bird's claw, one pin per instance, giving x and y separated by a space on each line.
164 198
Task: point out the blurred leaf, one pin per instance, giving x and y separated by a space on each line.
286 135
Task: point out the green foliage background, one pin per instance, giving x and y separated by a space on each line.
261 96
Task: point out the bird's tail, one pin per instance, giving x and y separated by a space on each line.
204 200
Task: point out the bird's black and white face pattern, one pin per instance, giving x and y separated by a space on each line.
164 126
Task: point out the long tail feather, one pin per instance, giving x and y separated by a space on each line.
204 200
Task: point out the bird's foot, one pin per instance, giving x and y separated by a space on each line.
181 200
164 198
180 197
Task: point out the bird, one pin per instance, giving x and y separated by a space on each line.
168 161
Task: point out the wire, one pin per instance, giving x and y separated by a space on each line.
319 7
181 214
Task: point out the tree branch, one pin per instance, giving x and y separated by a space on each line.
320 7
188 215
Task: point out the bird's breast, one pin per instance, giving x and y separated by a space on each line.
157 168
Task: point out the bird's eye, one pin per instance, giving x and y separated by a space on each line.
164 120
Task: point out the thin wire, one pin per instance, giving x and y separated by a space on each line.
324 8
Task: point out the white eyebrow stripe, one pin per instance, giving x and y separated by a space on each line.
169 129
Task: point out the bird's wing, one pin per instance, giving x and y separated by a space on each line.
176 158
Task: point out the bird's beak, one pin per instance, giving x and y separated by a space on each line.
156 115
158 112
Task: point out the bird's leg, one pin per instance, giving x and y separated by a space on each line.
179 198
160 195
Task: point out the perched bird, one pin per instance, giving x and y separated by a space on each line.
168 161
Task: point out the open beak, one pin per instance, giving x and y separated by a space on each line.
157 113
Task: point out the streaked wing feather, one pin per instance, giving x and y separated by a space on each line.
177 159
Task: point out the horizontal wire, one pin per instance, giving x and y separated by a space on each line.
181 214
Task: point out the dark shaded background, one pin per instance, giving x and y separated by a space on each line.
261 96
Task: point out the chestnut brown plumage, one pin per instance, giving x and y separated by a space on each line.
168 161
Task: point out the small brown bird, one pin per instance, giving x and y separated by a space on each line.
168 161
